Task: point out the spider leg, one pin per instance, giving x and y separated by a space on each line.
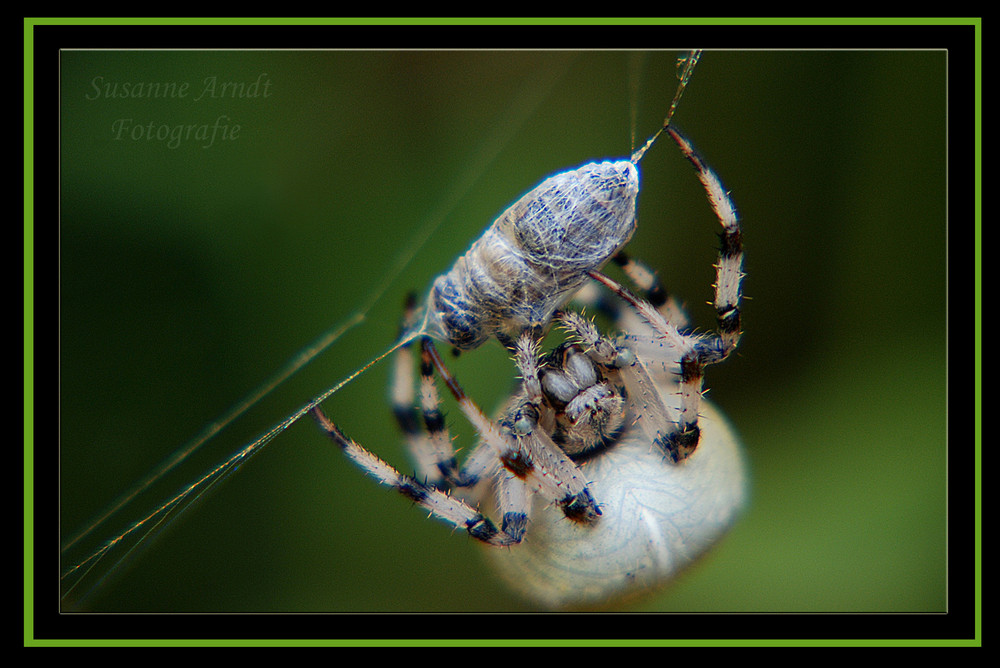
441 505
513 498
647 282
525 452
429 447
652 289
729 270
692 353
407 415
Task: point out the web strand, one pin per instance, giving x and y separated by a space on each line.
534 91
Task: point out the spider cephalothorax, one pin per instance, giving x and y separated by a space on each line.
588 406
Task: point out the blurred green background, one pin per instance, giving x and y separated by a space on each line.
189 274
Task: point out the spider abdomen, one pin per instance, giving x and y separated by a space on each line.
657 517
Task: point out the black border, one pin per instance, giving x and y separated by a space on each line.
958 623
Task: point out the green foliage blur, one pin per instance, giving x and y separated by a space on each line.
193 269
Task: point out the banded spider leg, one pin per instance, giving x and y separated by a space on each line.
521 457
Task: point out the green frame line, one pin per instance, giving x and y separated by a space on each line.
30 24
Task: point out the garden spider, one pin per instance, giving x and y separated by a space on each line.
608 470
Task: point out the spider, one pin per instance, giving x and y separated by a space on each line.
608 470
